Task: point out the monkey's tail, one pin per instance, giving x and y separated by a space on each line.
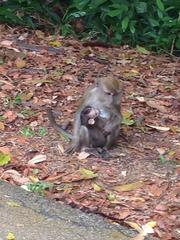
56 126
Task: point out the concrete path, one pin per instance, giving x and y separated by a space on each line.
31 217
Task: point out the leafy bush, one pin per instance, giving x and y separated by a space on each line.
30 13
153 23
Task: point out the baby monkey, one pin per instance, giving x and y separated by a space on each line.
89 116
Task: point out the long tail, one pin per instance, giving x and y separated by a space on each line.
57 126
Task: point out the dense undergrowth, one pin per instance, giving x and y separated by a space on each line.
154 23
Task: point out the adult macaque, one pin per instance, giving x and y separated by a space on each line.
97 120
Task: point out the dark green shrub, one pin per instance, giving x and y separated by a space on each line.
154 23
30 13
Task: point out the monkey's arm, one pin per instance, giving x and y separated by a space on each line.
112 128
57 126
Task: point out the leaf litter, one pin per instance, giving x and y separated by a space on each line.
139 184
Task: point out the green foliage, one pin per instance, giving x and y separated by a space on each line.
127 118
30 13
5 158
26 112
154 23
42 132
40 187
27 131
12 101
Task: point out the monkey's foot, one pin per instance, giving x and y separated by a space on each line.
97 152
71 149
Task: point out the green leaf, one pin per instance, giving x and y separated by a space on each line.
160 5
40 186
27 112
117 38
81 4
88 174
77 14
42 132
128 122
10 236
162 159
17 100
111 196
124 23
132 28
114 13
141 7
1 60
27 131
153 22
160 14
4 158
142 50
127 118
96 4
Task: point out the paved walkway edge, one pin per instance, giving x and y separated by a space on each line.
32 217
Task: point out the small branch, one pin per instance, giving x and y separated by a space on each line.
172 46
6 82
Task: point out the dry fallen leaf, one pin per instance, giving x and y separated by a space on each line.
40 34
55 43
10 116
134 226
177 153
128 187
161 150
16 176
68 77
140 99
27 96
61 148
143 231
38 158
2 127
5 150
83 155
156 105
6 43
148 227
34 179
96 187
158 127
155 190
13 204
20 63
124 213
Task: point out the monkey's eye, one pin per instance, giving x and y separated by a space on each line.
108 93
87 111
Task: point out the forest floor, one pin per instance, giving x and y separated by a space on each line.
139 183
